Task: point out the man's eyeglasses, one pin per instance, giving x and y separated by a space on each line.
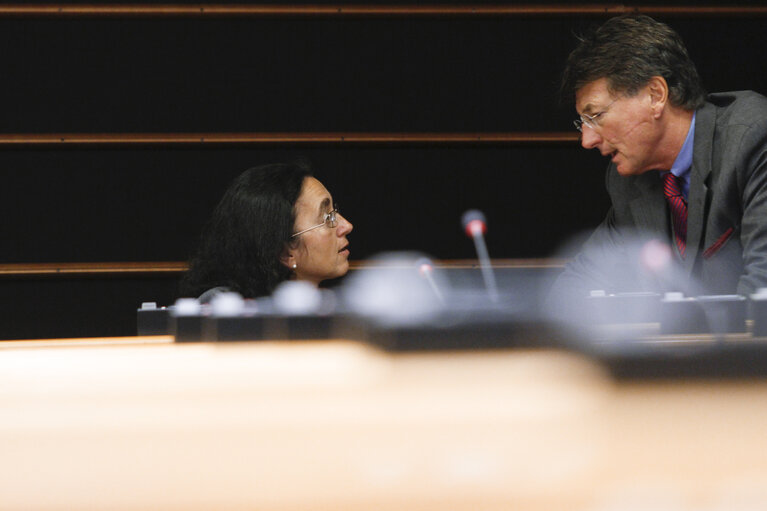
331 220
592 121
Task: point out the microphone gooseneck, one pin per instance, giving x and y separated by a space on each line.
474 224
425 268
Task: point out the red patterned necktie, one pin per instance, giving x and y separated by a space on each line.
672 189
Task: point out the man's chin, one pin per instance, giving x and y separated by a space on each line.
626 171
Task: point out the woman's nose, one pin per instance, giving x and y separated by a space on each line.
344 226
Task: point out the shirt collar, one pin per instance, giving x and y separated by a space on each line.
683 162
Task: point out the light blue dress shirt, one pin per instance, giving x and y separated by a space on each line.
683 163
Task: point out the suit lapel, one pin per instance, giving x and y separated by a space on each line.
699 184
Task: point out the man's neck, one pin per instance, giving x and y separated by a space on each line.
675 132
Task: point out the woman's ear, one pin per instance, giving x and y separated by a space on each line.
287 258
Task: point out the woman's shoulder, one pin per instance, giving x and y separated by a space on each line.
211 293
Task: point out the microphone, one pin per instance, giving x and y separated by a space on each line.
425 268
474 224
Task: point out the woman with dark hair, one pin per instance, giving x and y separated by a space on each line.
275 222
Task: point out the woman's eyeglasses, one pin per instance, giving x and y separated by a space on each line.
331 220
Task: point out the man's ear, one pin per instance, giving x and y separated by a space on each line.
658 91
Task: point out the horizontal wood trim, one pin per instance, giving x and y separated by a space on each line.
196 139
85 341
169 268
90 269
330 10
458 264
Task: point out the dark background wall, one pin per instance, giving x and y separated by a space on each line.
296 74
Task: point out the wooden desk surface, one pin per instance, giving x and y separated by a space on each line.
147 424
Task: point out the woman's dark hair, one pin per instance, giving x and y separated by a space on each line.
250 228
628 50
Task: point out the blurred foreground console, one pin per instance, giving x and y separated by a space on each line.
402 303
639 335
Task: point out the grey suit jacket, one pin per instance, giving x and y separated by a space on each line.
727 214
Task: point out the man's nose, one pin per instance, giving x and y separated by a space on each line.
589 137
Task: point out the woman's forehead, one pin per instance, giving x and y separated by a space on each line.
314 195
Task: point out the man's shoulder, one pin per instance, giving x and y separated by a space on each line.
736 98
738 107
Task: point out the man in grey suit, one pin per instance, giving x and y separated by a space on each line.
686 170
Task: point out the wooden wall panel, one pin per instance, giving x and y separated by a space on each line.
149 204
318 75
100 161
